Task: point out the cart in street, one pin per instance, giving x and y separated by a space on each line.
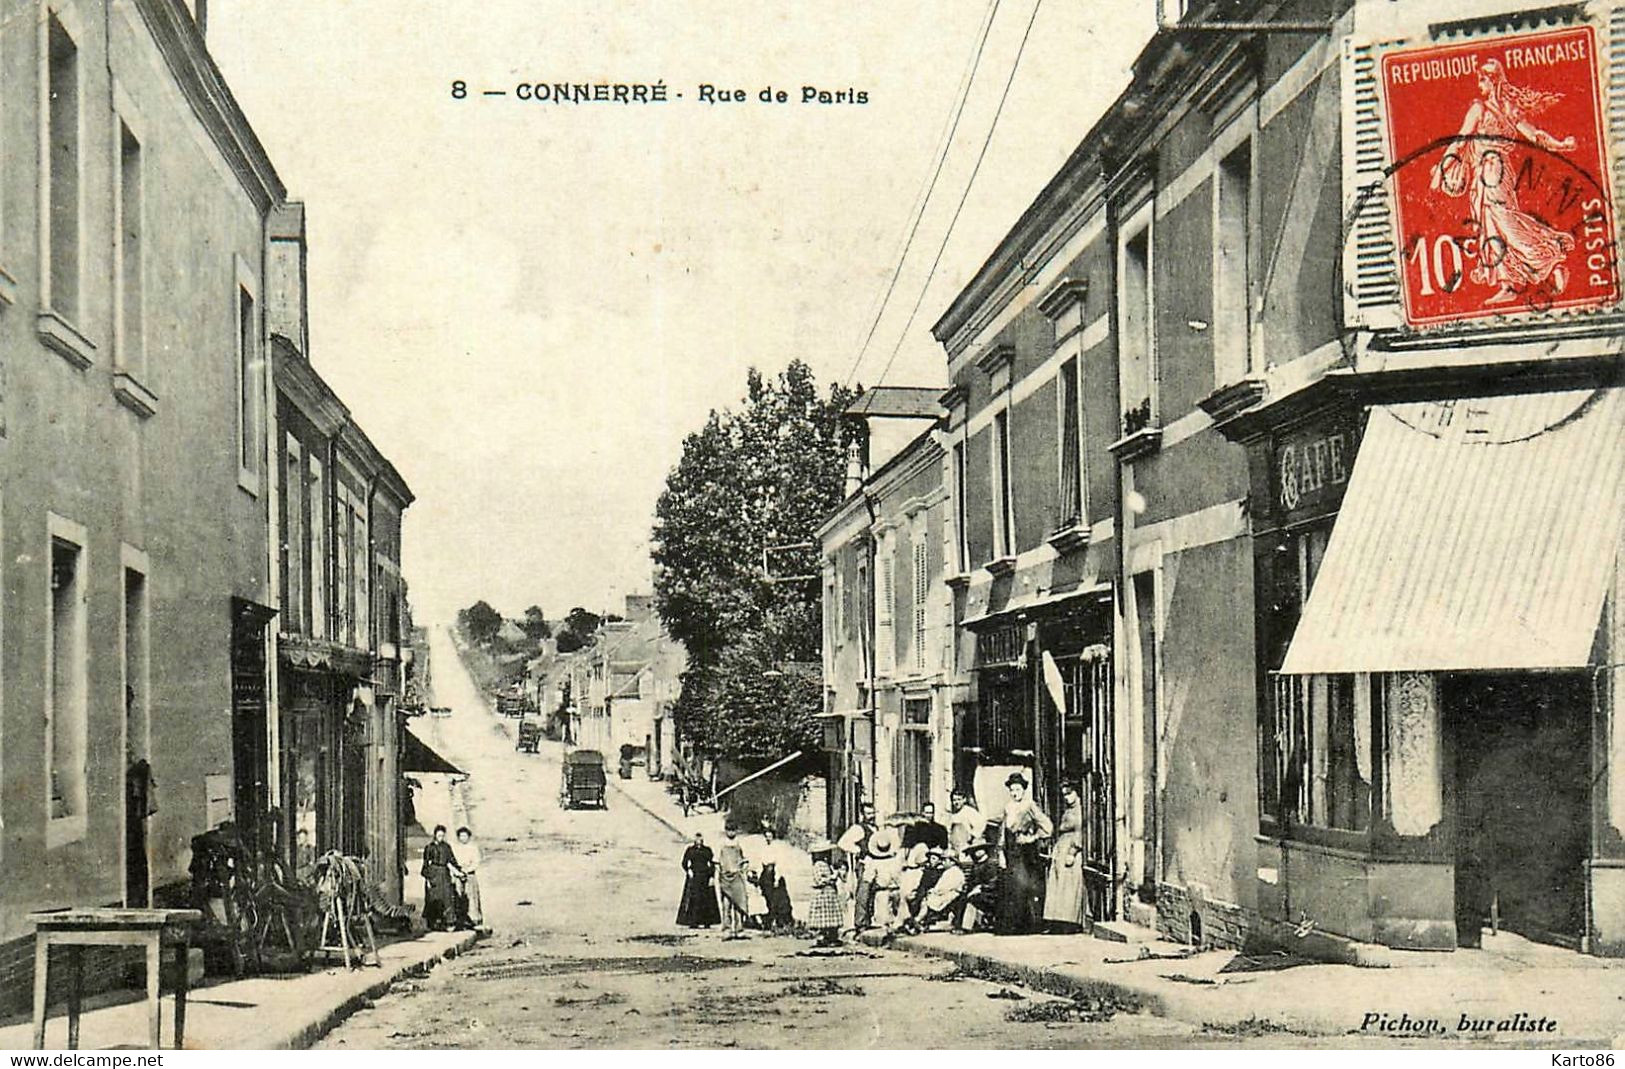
584 782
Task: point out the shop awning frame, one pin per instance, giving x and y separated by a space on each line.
1475 535
419 757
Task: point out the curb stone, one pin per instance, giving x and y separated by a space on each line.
307 1034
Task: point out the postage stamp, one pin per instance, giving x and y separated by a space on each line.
1502 195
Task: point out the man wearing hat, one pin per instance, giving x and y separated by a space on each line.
885 868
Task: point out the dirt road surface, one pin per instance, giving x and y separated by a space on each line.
585 954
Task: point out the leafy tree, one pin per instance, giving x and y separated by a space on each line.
479 623
535 625
749 480
577 629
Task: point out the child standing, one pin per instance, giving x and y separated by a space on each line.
824 915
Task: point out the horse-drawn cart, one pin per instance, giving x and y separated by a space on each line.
530 736
584 782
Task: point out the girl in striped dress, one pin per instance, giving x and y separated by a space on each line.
824 915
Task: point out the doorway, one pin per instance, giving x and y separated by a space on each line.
1521 745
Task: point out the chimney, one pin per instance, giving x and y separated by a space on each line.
639 607
854 469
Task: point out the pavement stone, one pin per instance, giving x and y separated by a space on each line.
284 1012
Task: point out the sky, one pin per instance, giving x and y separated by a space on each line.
528 305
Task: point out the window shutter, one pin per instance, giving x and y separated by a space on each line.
1614 77
920 593
1371 296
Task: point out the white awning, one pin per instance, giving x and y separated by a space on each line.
1475 534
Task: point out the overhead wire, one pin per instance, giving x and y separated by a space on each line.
924 199
969 183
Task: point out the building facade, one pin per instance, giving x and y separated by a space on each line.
134 501
344 630
1284 471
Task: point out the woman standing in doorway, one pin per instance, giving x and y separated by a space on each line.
1025 829
1064 905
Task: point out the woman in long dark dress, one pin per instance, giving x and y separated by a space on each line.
439 896
1026 827
698 909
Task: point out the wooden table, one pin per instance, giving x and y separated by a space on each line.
75 929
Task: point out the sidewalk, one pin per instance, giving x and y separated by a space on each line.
1424 994
260 1012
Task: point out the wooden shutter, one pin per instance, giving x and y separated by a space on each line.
921 588
1371 296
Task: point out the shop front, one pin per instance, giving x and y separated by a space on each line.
327 709
1044 706
1438 588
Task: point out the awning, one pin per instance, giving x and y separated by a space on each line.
1038 603
418 756
1475 534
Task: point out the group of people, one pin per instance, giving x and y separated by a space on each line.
1016 873
451 884
741 885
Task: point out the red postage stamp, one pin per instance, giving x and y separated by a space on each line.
1499 165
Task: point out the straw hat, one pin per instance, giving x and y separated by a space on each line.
883 844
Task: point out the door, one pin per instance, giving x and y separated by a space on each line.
1087 756
1521 747
250 755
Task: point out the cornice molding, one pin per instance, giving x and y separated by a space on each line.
1060 297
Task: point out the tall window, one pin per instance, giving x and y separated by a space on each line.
248 378
1004 531
914 756
922 592
293 497
1071 448
318 550
62 168
961 539
1232 267
885 605
127 257
361 574
1136 353
65 708
343 620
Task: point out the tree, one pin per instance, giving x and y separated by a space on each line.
577 630
765 476
479 623
535 625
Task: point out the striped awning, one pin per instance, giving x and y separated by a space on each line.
1477 533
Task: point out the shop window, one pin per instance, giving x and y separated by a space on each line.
1321 748
1004 729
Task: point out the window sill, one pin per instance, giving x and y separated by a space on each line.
958 582
134 396
248 482
1070 538
60 831
62 338
1141 443
999 567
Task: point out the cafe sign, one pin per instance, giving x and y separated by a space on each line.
1312 465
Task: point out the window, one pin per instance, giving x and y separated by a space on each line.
843 611
130 279
885 606
1070 415
319 617
914 756
361 573
1319 731
66 673
249 374
922 591
137 699
961 541
293 539
1232 266
62 170
1136 350
342 630
1004 539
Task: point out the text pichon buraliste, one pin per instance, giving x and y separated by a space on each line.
658 92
